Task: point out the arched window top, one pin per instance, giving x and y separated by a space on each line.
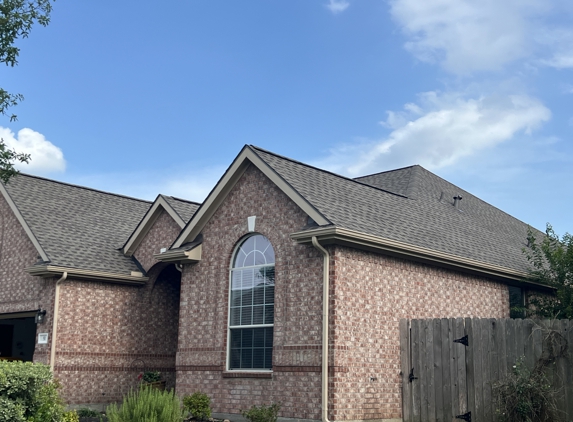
254 251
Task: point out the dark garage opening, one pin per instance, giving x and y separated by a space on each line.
17 336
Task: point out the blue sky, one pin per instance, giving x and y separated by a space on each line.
142 98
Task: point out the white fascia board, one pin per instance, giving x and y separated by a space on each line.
147 222
245 158
25 225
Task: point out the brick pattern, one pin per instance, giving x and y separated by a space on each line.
19 291
161 235
369 294
297 329
109 333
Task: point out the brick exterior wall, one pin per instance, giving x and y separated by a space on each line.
107 333
19 291
161 235
201 357
370 293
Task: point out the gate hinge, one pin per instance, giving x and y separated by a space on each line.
466 416
463 340
411 377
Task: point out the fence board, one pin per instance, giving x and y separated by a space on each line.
437 369
486 328
417 365
454 379
568 378
405 365
430 382
446 337
462 374
560 371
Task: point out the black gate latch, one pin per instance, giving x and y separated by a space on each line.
463 340
466 417
411 377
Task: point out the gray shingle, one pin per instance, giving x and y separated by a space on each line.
78 227
184 208
476 231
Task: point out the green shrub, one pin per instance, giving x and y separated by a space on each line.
71 416
86 412
147 405
199 405
262 413
151 376
28 393
525 396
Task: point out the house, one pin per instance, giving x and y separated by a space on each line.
228 296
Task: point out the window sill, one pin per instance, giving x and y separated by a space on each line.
247 374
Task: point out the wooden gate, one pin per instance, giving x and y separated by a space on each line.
450 365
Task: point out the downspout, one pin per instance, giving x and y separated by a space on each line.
55 320
325 300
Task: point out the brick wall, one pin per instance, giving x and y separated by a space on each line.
109 333
161 235
201 357
19 291
370 293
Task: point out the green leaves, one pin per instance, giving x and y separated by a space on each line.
552 265
8 157
28 393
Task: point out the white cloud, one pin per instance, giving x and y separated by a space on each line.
190 185
45 156
439 131
465 36
337 6
560 44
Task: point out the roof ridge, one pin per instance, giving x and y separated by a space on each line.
326 171
183 200
82 187
388 171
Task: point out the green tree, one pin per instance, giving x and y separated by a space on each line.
552 265
16 20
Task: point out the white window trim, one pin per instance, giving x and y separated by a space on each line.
229 326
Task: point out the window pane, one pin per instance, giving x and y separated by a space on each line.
269 314
235 316
258 315
270 294
247 316
255 350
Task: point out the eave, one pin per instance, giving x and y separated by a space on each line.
181 256
345 237
78 273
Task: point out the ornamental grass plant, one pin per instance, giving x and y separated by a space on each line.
147 405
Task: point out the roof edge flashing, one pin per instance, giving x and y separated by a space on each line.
362 240
83 274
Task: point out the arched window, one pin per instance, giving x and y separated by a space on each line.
251 305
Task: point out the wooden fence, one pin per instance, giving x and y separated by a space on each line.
449 366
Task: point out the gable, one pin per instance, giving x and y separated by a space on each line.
246 158
160 235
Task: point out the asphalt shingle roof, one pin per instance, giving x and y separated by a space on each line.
76 226
185 209
405 206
